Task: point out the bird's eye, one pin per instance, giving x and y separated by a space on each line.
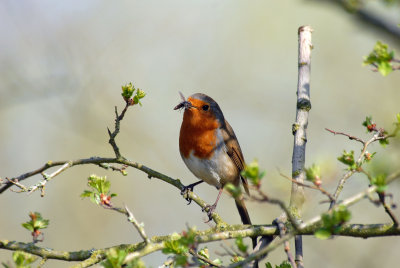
205 107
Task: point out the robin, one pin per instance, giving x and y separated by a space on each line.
210 149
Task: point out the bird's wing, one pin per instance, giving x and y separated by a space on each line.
234 151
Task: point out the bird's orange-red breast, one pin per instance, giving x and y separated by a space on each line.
210 149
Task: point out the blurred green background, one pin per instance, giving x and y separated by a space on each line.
62 66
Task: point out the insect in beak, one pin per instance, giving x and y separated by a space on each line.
184 104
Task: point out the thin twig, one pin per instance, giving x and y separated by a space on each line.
264 198
204 259
282 232
345 134
387 209
354 199
19 185
112 135
314 225
40 185
319 188
376 137
139 226
113 168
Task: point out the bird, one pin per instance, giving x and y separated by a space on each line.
210 149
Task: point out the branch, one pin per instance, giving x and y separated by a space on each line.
101 160
299 130
373 19
91 256
376 137
282 232
112 135
355 198
139 226
353 230
319 188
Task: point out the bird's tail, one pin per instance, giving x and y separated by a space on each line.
244 215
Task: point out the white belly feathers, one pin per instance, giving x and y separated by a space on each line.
213 170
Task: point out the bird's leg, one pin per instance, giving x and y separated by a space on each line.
188 188
213 206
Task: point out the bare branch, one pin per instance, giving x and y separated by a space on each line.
264 198
282 232
319 188
112 135
299 129
204 259
387 209
347 135
376 137
355 198
139 226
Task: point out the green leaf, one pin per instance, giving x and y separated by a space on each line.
236 258
368 156
233 190
100 186
23 259
179 246
86 193
385 68
28 225
284 264
268 265
127 91
41 224
322 234
381 57
217 261
343 214
36 222
384 142
136 263
380 182
332 222
253 173
240 245
95 198
115 258
347 158
181 260
204 253
313 173
369 124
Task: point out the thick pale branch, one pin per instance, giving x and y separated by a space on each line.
210 235
299 130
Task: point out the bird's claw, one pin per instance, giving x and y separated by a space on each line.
210 211
185 191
